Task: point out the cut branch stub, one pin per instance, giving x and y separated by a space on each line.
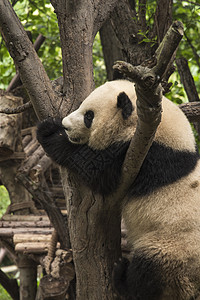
149 108
163 55
149 97
167 48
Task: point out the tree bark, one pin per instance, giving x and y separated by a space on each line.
191 110
16 79
189 85
162 19
187 79
10 126
129 40
95 238
112 49
78 24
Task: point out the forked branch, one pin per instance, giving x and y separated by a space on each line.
149 108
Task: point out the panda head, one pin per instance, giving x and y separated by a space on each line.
106 116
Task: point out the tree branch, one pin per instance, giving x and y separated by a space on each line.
79 21
16 110
166 49
10 285
187 79
149 96
16 79
189 86
191 110
32 73
127 36
102 10
162 19
197 58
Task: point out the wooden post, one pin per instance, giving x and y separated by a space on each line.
28 278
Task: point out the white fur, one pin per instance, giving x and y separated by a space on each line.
108 125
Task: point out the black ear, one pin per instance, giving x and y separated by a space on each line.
125 104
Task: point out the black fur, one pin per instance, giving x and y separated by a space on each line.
101 169
162 166
125 104
139 279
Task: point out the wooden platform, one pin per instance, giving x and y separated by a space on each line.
29 234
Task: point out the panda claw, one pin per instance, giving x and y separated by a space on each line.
116 263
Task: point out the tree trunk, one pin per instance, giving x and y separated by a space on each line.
95 240
112 49
127 41
94 229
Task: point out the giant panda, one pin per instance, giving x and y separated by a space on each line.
162 209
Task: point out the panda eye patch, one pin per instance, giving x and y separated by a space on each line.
88 117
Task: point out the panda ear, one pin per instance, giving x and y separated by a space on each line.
125 104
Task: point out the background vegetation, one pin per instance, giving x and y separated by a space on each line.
4 200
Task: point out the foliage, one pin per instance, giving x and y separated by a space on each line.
3 294
177 93
98 62
4 200
146 39
189 14
36 17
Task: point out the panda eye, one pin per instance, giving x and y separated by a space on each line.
88 117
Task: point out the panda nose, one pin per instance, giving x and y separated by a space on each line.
66 124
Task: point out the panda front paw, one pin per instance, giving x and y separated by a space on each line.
119 276
48 127
120 267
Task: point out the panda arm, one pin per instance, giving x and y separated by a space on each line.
53 138
99 169
87 163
